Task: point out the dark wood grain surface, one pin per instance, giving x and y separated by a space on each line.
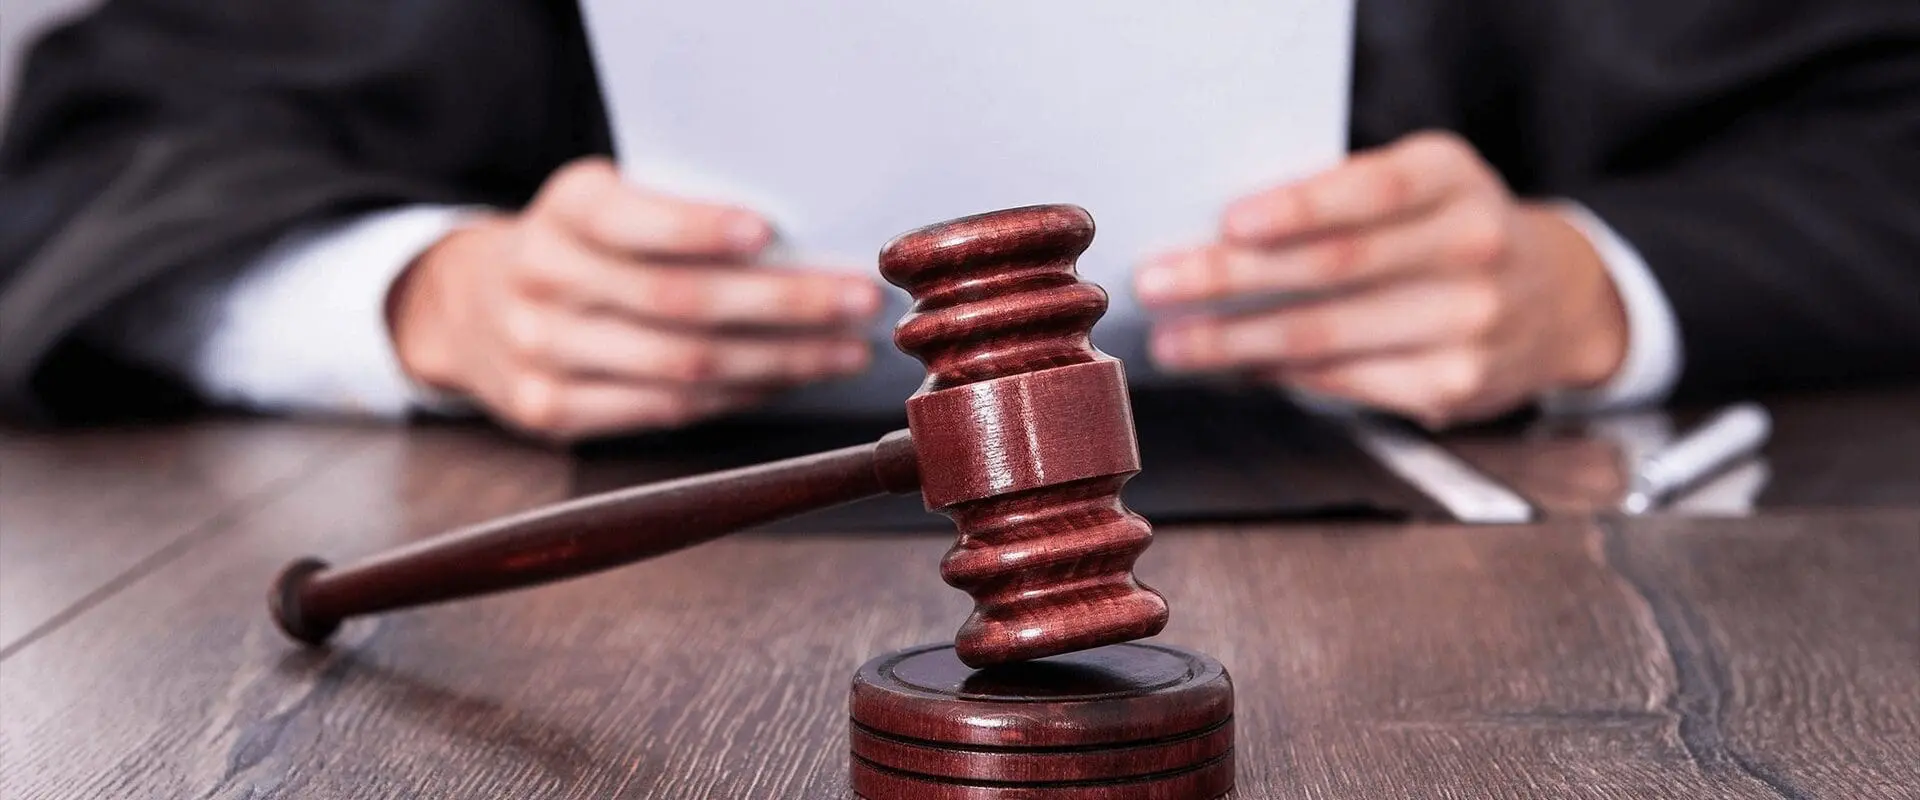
1590 657
1782 676
81 513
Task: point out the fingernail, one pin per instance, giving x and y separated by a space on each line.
747 232
860 299
850 358
1245 222
1158 281
1170 347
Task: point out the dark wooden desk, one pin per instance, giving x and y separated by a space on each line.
1768 657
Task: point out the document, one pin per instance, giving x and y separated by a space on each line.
847 122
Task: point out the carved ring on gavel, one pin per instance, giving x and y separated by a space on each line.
1022 434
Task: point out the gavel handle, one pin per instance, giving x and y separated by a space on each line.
309 598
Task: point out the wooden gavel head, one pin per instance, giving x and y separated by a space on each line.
1023 433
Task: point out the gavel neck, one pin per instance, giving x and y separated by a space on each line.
896 463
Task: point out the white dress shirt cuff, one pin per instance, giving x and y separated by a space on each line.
304 328
1653 359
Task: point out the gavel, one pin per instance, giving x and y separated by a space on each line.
1022 434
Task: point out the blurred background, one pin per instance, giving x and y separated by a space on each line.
20 22
398 212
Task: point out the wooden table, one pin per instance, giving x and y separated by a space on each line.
1586 656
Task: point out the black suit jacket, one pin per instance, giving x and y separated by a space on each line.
1763 155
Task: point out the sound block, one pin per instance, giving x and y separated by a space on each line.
1130 721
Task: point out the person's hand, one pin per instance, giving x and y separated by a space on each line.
1428 289
603 308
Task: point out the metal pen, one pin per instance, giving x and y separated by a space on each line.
1720 442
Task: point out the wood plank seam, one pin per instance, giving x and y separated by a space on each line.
1702 685
207 529
260 740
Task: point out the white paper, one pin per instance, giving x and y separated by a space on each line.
849 122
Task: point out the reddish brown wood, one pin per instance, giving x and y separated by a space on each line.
587 535
1126 693
1015 766
1024 433
1210 780
1124 721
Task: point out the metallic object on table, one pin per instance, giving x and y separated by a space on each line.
1722 441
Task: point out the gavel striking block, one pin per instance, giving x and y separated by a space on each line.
1131 721
1023 435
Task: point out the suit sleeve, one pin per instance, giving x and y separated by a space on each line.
303 329
1788 239
160 138
1799 266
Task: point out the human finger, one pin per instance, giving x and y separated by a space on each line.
1405 315
1431 386
696 295
589 199
563 409
613 347
1462 236
1419 171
